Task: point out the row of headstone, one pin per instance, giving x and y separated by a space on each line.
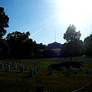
20 68
68 71
43 89
75 70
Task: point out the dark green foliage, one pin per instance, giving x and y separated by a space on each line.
73 48
88 45
15 41
17 36
4 49
24 47
4 19
71 34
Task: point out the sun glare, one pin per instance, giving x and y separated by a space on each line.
75 12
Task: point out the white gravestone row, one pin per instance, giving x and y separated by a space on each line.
69 70
13 66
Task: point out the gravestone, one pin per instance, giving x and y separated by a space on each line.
86 70
1 66
30 73
64 69
71 68
80 68
33 71
14 66
21 68
7 67
38 67
4 65
68 72
49 70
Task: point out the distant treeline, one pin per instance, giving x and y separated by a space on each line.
19 45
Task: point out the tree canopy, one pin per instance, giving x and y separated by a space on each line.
88 45
71 33
4 19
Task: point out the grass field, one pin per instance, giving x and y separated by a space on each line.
57 82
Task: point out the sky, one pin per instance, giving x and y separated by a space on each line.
47 20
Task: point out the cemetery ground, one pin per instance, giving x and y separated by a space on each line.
15 81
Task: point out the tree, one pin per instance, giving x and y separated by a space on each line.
71 34
24 47
73 48
15 39
74 45
4 47
88 45
4 19
17 36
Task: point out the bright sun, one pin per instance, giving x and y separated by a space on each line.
75 12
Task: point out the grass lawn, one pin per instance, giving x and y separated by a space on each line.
57 82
